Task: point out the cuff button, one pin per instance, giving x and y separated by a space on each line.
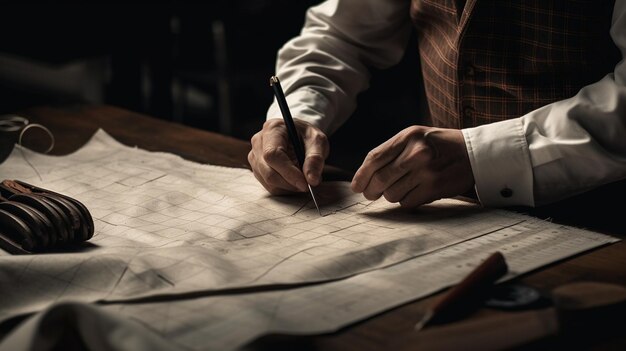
506 192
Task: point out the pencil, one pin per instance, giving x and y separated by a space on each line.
296 142
468 292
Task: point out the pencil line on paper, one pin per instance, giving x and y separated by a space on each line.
282 261
340 229
166 280
301 207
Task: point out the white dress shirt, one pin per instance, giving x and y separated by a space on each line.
559 150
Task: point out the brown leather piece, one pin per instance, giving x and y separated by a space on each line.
86 220
53 214
15 186
34 219
15 233
69 214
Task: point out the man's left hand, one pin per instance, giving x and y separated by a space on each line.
417 166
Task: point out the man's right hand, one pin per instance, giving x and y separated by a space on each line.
274 162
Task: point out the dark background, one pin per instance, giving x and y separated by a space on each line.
201 64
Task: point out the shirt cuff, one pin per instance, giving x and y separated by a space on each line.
304 104
500 160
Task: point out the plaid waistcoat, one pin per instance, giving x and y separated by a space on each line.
489 60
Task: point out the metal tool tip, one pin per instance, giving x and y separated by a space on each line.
423 321
314 200
273 80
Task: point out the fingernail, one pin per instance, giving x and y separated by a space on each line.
311 176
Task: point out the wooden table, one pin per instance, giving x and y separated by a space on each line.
73 126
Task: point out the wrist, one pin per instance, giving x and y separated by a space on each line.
500 163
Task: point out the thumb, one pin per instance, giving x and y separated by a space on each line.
316 149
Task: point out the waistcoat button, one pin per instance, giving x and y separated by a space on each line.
506 192
468 112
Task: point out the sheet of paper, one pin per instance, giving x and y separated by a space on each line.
166 226
230 321
178 238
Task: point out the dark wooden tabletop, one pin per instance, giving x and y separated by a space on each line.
73 126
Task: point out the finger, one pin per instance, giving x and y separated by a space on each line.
316 150
415 156
402 187
421 194
426 188
376 159
276 156
384 178
271 180
418 157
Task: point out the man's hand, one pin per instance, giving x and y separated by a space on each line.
274 162
417 166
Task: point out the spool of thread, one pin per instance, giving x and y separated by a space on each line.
12 131
587 311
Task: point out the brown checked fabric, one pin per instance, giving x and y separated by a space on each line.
490 60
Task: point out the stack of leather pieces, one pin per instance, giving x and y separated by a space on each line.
34 219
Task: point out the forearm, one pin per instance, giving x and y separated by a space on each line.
326 66
559 150
554 152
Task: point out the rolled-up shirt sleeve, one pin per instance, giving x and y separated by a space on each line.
559 150
324 68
